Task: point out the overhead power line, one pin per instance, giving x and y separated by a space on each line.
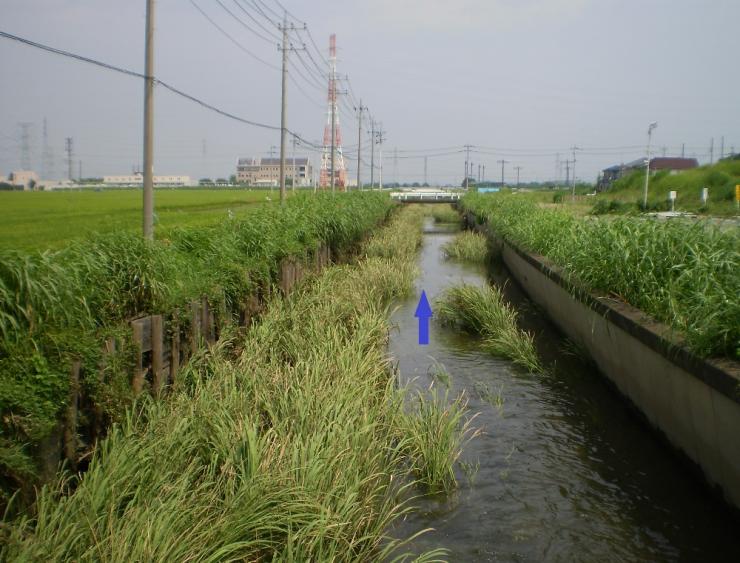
234 41
244 24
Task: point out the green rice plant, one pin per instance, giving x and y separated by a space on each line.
296 449
682 274
468 246
484 311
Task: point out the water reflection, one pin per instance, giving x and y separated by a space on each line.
566 471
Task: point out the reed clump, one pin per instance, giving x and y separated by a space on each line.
467 246
484 311
291 443
682 274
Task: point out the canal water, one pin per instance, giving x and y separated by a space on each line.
566 469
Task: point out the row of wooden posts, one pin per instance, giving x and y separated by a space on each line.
160 353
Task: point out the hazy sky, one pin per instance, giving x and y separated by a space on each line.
524 78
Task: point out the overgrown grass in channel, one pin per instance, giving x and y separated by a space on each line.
683 274
296 449
468 246
57 307
483 311
444 213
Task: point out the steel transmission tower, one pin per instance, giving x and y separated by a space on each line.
25 128
333 171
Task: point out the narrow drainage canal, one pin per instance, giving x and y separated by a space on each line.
567 471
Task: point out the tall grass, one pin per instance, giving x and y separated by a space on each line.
468 246
444 213
289 444
683 274
483 311
56 307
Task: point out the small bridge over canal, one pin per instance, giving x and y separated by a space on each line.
427 197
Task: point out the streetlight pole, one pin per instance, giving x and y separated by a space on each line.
652 126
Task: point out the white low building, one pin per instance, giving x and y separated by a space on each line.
23 179
137 180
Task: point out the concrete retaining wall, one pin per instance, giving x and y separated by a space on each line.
694 402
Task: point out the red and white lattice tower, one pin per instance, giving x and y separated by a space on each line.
332 116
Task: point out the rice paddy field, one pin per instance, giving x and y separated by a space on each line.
41 220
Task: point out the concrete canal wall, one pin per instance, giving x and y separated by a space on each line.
695 403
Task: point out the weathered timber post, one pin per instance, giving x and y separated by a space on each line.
70 417
158 374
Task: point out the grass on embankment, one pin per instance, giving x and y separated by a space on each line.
682 274
721 179
484 311
58 307
296 449
467 246
41 220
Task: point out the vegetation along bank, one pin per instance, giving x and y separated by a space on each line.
58 308
292 442
682 274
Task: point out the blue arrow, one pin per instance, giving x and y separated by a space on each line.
423 313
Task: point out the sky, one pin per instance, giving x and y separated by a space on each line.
519 80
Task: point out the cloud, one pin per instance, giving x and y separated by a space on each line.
467 15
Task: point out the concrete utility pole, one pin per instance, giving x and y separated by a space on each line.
284 108
426 181
68 147
502 163
295 142
652 126
381 136
395 165
484 172
372 154
359 142
479 173
518 169
567 172
467 160
711 151
573 193
149 123
722 147
683 150
79 170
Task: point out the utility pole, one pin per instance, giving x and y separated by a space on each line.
79 171
467 159
502 163
68 148
683 150
395 165
652 126
722 147
295 142
517 168
558 167
426 181
149 123
711 151
484 173
567 172
284 107
479 173
381 136
359 142
573 193
372 154
47 157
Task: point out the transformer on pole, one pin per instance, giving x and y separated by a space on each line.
333 172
